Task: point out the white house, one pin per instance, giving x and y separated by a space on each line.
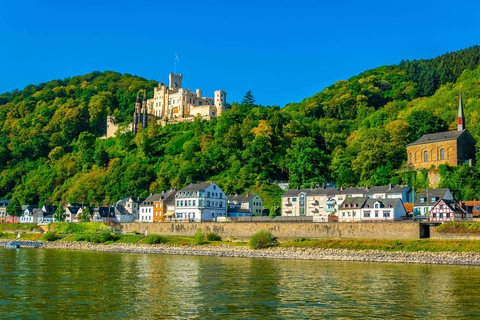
200 202
28 215
350 209
427 199
244 205
382 210
145 210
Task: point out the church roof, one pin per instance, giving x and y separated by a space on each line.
439 136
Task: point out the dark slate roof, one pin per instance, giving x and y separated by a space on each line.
384 203
439 136
73 210
241 197
166 196
106 212
453 205
150 199
4 203
49 208
432 193
359 201
196 187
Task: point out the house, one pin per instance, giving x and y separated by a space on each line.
132 206
3 210
448 210
472 206
122 214
350 209
200 202
12 219
244 205
103 214
146 208
427 198
27 214
170 208
46 214
451 147
375 210
71 212
160 205
323 203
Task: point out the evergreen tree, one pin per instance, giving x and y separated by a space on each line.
248 99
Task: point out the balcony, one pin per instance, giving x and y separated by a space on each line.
330 210
287 203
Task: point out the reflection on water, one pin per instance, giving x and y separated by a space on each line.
54 284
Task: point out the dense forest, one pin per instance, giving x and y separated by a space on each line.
352 133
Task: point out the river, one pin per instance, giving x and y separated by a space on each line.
57 284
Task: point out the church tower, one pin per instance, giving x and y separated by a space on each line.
461 117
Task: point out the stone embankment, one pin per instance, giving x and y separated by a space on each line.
453 258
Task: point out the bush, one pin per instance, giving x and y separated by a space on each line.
199 237
50 236
155 239
262 239
82 237
103 236
212 236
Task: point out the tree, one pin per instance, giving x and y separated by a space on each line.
424 122
14 208
248 99
85 215
59 214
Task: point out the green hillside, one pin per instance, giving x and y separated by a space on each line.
352 133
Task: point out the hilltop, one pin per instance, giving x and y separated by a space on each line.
353 132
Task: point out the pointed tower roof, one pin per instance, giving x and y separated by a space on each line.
461 117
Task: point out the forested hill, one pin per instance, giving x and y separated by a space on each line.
352 133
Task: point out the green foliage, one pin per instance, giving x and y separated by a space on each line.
103 236
18 226
353 132
81 227
155 239
199 237
262 239
50 236
212 236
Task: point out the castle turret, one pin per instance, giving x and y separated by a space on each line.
220 101
136 114
461 117
144 109
175 81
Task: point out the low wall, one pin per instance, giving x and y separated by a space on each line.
453 236
239 230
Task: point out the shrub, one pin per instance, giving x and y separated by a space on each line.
199 237
212 236
155 239
50 236
82 237
262 239
103 236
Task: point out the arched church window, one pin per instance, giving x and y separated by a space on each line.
425 156
411 158
442 154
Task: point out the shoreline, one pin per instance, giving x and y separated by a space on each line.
285 253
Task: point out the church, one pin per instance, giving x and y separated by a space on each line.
453 148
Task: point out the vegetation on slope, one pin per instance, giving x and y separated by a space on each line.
352 133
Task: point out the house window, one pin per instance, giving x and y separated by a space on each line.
434 215
423 199
442 154
376 213
366 214
425 156
376 205
386 214
448 215
294 199
441 215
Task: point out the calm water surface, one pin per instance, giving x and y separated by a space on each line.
55 284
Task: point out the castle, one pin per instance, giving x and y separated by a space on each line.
172 104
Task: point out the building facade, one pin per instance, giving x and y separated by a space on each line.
448 211
200 202
244 205
160 205
453 148
3 210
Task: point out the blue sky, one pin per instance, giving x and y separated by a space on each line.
284 51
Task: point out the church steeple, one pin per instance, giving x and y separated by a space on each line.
461 117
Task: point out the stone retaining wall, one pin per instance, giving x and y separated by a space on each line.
453 236
291 230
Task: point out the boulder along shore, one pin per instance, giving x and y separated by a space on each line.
451 258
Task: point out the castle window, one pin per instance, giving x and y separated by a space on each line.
442 154
411 158
425 156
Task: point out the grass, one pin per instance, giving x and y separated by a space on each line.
430 245
459 227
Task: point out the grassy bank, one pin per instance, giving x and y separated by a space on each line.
459 227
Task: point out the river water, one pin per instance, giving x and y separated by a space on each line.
57 284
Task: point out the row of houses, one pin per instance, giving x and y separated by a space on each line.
195 202
377 203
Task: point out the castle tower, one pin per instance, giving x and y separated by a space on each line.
175 81
144 109
220 97
136 114
461 117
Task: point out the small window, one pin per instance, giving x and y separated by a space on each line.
442 154
425 156
411 158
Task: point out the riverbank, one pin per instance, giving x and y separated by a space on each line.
451 258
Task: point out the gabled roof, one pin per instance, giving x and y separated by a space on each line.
451 204
106 212
384 203
432 193
356 202
165 196
440 136
150 199
4 203
196 187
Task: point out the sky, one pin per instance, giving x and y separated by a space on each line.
283 51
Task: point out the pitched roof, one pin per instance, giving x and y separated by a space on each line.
241 197
439 136
384 203
196 187
452 205
432 193
358 202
